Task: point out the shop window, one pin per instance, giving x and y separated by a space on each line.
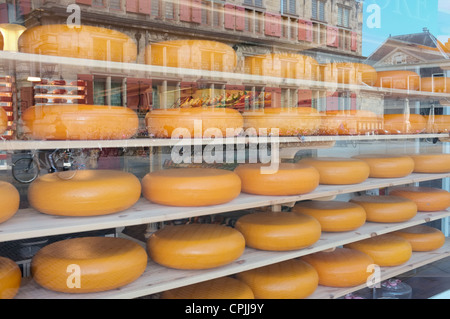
318 10
108 91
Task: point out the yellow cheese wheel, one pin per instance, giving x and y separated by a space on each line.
288 178
438 123
84 193
191 186
398 79
431 163
386 209
88 264
349 122
194 122
385 250
428 199
195 246
435 84
339 170
291 279
404 123
79 122
350 73
422 237
219 288
9 199
3 120
342 267
333 216
278 231
388 165
10 278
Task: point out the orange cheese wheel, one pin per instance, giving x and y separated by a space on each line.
350 73
349 122
84 192
342 267
291 279
388 166
435 84
79 122
428 199
431 163
404 124
220 288
333 216
10 278
286 179
422 237
385 250
195 246
191 186
398 79
339 170
278 231
9 199
438 123
88 264
194 122
3 120
386 209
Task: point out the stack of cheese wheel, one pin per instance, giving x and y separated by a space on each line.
386 209
428 199
398 79
88 264
9 199
219 288
195 246
438 123
351 122
278 231
84 192
333 216
10 278
388 165
281 179
79 122
291 121
341 267
191 186
422 237
431 163
3 120
194 122
339 170
349 73
385 250
291 279
83 42
404 123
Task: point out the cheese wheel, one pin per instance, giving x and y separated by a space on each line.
435 84
9 199
385 250
404 123
428 199
291 279
342 267
219 288
79 122
422 237
194 122
333 216
431 163
350 73
195 246
1 42
84 192
83 42
349 122
386 209
10 278
191 186
388 165
339 170
287 178
438 123
3 120
398 79
278 231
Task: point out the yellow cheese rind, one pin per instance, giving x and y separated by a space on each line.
422 237
428 199
431 163
388 166
9 199
3 120
10 278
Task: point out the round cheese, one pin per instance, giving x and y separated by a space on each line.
385 250
422 237
428 199
219 288
349 122
333 216
10 199
277 179
398 79
278 231
84 192
438 123
435 84
191 186
349 73
388 165
10 278
431 163
342 267
3 120
404 123
339 170
195 246
386 209
291 279
88 264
